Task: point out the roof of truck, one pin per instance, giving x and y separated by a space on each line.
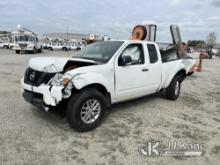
132 41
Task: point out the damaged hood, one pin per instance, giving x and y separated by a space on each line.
53 64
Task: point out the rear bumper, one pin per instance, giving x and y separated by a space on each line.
43 94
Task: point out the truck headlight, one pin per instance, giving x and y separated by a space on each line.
57 80
67 92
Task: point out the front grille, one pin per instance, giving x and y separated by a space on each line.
23 45
36 78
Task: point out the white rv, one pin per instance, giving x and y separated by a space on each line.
24 40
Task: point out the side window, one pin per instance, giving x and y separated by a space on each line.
152 53
135 51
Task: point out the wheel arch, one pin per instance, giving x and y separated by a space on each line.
102 89
181 72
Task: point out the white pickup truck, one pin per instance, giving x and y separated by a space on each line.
57 46
102 74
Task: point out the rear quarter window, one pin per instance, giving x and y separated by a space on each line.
153 56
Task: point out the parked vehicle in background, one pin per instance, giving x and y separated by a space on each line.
45 46
76 46
57 46
217 53
4 42
4 45
24 40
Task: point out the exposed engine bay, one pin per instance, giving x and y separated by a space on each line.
70 65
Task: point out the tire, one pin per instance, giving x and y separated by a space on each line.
173 91
50 48
190 73
64 49
17 51
40 50
5 47
78 49
76 111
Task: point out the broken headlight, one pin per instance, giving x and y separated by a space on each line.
60 80
67 91
57 80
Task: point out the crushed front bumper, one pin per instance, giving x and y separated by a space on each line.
42 95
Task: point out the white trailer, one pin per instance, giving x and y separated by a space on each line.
24 40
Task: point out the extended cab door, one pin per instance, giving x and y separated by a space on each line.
138 78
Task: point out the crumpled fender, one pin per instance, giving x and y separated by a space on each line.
82 80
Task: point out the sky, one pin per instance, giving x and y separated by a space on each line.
116 18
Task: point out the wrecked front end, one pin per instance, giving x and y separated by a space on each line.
45 89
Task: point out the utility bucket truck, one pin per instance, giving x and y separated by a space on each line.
25 41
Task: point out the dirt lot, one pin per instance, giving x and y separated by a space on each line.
30 136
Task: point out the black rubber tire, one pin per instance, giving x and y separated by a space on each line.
17 51
64 49
40 50
74 108
5 47
50 48
170 91
78 49
190 73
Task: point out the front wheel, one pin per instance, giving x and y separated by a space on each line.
17 51
173 91
86 110
65 49
5 47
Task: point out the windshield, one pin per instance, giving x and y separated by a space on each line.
24 38
100 51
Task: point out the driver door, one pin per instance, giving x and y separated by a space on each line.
131 79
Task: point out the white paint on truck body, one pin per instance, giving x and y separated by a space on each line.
121 82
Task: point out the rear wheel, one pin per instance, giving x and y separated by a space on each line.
17 51
78 49
86 110
34 51
173 91
64 48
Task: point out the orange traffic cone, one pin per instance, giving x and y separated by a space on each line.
198 68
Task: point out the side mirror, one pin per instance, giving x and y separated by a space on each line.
125 60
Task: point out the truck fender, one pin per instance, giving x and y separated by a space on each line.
82 80
176 71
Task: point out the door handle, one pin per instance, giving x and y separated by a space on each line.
145 70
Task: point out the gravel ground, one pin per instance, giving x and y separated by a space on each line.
30 136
